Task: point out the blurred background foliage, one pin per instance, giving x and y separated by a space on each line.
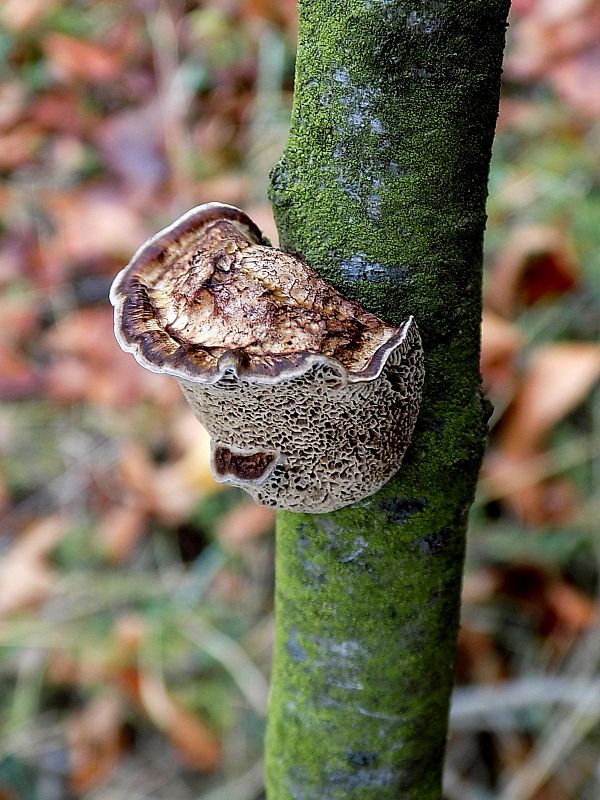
135 593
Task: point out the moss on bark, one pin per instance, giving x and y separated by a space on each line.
382 189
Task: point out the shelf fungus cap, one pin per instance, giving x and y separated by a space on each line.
309 399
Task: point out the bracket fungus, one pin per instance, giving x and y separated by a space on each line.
310 400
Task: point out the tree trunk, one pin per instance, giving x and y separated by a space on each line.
382 189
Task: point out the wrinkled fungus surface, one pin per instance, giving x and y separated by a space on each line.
210 285
310 400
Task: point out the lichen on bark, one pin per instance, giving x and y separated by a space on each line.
381 189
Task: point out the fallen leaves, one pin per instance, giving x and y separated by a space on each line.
560 42
243 524
86 165
17 147
199 746
501 343
26 575
167 492
558 378
536 262
96 741
70 58
119 531
95 733
20 15
88 366
94 224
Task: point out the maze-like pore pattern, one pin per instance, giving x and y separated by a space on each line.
326 440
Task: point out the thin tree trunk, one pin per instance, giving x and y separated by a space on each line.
382 189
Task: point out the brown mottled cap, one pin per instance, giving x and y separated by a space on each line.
209 295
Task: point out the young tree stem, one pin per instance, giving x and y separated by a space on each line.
382 189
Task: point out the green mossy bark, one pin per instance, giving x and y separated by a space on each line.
382 189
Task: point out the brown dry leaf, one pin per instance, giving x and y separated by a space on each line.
95 742
19 146
12 103
18 379
193 467
576 80
501 341
93 224
131 143
187 732
478 659
19 15
71 58
173 499
26 577
136 473
558 378
535 501
119 531
89 366
278 12
560 42
159 491
59 109
172 490
536 262
243 524
573 609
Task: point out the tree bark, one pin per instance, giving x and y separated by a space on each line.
382 189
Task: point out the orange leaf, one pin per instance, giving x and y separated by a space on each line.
18 15
558 41
95 742
18 379
77 58
187 732
243 524
572 608
193 467
536 262
120 530
94 224
500 343
278 12
26 578
558 378
12 103
19 146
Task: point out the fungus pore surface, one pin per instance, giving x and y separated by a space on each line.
310 400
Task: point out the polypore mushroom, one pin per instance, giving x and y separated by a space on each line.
310 400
